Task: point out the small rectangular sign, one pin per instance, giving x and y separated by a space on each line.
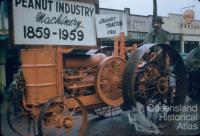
54 22
109 25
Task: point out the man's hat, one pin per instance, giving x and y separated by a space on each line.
159 19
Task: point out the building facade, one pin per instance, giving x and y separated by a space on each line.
184 37
3 41
9 53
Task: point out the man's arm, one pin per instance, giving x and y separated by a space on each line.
168 37
149 38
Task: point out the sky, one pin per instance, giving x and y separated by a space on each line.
145 7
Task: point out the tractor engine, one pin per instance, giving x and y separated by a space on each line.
80 72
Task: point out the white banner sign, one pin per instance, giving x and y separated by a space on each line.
109 25
53 22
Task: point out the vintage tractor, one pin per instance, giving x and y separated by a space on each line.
55 89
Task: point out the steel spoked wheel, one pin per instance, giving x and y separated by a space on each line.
109 79
21 122
62 116
155 82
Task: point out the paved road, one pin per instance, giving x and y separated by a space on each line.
119 126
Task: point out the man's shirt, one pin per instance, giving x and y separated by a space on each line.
157 36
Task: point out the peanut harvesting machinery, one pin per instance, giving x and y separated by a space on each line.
55 89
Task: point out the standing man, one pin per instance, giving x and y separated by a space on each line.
158 35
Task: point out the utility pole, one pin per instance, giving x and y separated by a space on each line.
97 6
154 12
